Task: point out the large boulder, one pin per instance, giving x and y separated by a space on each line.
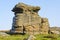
27 20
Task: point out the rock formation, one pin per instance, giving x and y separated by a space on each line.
27 20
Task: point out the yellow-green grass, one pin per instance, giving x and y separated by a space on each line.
38 37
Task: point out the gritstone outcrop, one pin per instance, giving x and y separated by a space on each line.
27 20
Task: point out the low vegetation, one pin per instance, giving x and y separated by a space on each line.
47 37
38 37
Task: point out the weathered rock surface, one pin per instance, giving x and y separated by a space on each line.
31 37
3 34
27 20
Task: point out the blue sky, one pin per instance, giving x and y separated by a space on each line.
49 9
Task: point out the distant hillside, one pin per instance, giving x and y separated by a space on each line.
55 28
4 30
